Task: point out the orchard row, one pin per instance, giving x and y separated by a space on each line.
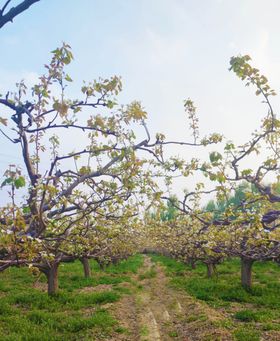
91 186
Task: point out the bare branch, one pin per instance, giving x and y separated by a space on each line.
107 131
10 139
5 6
14 11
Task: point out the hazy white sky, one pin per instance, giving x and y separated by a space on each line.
165 51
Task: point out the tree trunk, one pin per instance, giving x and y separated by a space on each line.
246 272
114 261
101 264
193 264
210 270
86 266
51 273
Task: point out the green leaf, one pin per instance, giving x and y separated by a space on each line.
215 156
68 78
229 146
20 182
246 172
7 181
26 210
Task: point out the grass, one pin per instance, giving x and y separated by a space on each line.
245 334
249 315
27 313
173 334
249 312
148 274
131 265
144 331
78 311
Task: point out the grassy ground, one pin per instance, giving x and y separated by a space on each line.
116 304
78 312
251 315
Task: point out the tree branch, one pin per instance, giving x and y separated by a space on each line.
5 6
14 11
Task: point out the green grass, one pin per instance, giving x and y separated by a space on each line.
144 331
148 274
173 334
27 313
131 265
245 334
258 307
249 315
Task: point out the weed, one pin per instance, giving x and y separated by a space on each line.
243 334
144 331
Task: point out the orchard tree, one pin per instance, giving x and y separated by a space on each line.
248 221
251 220
99 178
84 168
186 239
256 216
232 167
244 234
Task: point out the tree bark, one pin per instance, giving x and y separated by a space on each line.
246 272
101 264
114 261
193 264
210 270
86 266
51 273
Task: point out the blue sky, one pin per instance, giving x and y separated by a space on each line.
165 51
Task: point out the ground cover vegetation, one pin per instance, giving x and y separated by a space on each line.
78 312
93 308
248 314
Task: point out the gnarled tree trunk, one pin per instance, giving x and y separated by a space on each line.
51 272
114 260
192 264
246 272
86 266
210 270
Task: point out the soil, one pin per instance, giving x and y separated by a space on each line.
156 312
97 288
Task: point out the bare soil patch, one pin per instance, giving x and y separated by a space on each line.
98 288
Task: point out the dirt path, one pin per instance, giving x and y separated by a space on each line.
156 312
153 315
